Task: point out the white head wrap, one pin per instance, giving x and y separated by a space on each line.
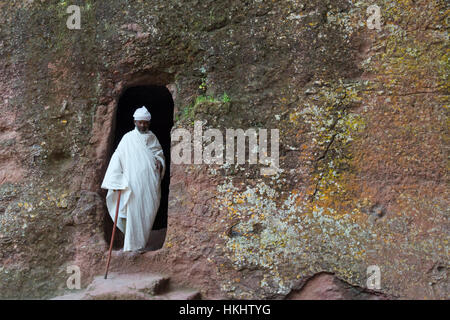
142 114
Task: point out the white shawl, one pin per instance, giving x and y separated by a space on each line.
132 169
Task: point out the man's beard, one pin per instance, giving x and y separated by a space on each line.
143 130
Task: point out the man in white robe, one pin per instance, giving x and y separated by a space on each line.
136 168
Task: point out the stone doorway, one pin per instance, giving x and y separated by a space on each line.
159 103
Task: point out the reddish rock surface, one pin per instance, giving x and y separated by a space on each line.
327 287
363 122
131 287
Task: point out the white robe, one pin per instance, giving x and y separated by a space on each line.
132 169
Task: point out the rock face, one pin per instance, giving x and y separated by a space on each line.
131 287
327 287
362 119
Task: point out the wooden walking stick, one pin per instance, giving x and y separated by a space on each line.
113 232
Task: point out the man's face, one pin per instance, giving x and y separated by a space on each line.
142 125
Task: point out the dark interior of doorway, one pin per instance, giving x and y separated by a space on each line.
158 101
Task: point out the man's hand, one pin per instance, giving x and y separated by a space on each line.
159 167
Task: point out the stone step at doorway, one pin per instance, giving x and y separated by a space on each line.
135 286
